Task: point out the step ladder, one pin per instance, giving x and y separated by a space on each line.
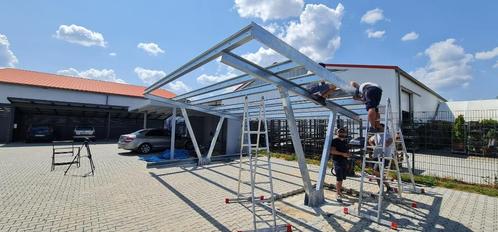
257 157
383 156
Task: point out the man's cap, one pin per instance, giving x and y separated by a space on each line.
341 129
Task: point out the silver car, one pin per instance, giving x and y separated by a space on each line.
84 132
146 140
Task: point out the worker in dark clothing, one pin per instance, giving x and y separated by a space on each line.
370 94
340 152
321 89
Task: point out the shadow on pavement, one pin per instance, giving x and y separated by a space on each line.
195 207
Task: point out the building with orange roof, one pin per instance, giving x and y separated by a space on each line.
29 98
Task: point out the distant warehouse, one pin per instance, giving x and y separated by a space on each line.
30 98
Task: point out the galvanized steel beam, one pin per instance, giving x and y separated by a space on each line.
178 104
232 42
276 44
265 75
281 67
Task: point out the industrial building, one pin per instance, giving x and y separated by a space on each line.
30 98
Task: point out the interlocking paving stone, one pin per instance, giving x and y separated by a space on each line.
126 196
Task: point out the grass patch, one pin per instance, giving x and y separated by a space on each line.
431 181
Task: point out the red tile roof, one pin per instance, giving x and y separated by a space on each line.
48 80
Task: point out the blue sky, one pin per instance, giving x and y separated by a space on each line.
453 47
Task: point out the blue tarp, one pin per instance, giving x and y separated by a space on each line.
165 155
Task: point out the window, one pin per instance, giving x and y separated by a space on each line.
157 132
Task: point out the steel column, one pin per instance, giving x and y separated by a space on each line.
108 125
145 120
213 141
326 153
191 133
173 133
296 141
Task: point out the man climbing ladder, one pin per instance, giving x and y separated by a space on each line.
370 94
381 148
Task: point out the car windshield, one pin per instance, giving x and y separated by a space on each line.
84 128
140 132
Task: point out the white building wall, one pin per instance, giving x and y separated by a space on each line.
386 78
423 100
471 110
51 94
233 136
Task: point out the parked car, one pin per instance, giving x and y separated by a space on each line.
40 133
147 140
84 133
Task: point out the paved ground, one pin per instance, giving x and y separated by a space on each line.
126 196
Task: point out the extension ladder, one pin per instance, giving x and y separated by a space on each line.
383 156
254 161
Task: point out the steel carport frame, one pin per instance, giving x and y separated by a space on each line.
290 90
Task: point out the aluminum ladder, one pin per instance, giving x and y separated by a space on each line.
382 154
257 157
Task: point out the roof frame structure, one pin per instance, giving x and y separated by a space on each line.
289 89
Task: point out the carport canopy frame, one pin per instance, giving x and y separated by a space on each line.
290 90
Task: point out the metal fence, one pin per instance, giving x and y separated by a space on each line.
470 157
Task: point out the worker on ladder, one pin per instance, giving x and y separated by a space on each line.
340 153
377 140
370 94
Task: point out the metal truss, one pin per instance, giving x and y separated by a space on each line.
286 97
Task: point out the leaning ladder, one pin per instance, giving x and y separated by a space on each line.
383 156
254 161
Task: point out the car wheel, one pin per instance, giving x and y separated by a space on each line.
144 148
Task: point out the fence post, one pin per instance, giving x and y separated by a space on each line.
413 162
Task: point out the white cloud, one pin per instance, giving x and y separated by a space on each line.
150 48
448 66
373 16
274 28
375 34
486 55
178 87
113 54
410 36
80 35
496 65
316 34
7 57
211 79
149 76
264 57
95 74
265 10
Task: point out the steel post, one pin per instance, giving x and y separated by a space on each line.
325 155
296 142
173 133
192 135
